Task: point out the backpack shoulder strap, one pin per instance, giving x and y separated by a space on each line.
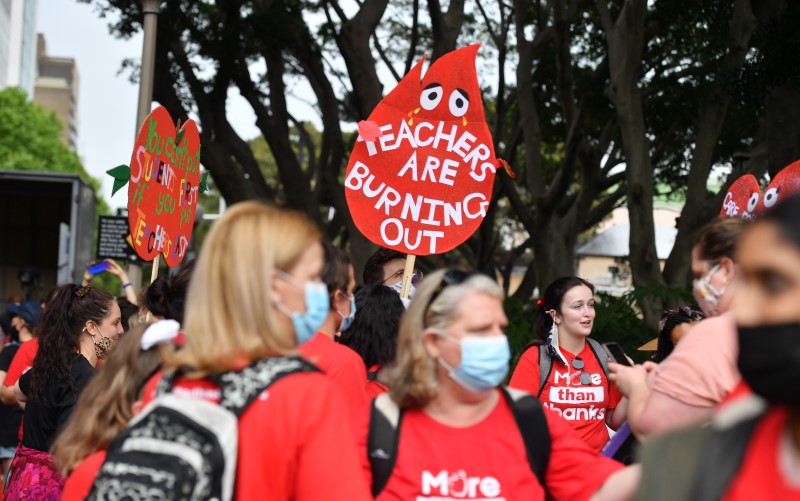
382 439
238 389
601 356
731 433
545 368
670 464
696 463
532 424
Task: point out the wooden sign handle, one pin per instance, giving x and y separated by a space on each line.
407 274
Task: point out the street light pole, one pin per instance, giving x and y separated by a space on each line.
150 10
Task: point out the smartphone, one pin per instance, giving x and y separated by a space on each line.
98 267
616 353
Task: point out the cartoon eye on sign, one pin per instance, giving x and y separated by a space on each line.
420 175
742 198
785 184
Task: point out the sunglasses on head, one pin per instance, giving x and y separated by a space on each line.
450 278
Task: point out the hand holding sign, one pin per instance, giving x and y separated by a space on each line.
420 176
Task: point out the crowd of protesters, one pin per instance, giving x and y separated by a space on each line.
262 370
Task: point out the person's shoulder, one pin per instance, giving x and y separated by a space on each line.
707 331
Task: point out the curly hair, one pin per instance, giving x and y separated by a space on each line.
63 321
166 296
105 405
373 334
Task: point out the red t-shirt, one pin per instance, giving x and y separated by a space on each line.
341 364
23 361
295 442
80 481
375 387
583 406
486 461
760 475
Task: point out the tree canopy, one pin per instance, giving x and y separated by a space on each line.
30 139
593 103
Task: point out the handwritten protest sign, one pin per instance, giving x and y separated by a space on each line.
420 175
163 188
742 197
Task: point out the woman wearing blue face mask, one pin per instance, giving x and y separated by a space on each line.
341 364
448 430
256 294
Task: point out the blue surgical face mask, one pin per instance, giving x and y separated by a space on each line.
317 307
484 362
399 286
347 321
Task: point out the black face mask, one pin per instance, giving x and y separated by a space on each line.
769 360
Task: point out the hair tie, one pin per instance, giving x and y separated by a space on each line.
81 291
159 332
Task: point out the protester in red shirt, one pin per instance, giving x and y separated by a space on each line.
106 405
256 293
752 448
24 317
341 364
577 387
373 334
458 437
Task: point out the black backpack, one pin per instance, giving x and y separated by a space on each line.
185 448
386 419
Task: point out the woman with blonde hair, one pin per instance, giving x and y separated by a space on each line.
255 295
463 435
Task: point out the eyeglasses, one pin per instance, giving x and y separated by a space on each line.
416 277
450 278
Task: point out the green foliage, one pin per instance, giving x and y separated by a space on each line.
30 141
618 318
520 327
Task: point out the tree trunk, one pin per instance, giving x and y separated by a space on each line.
625 39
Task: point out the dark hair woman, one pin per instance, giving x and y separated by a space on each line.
373 333
79 326
576 385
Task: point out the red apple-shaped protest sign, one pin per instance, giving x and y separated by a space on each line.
742 197
163 188
420 175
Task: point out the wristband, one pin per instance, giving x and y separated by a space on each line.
126 285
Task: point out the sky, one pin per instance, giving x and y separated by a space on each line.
107 101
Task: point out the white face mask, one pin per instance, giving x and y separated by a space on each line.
707 296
